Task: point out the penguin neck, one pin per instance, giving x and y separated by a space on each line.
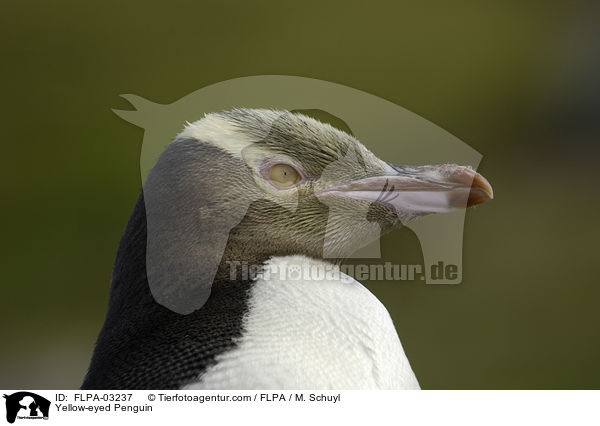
272 332
310 326
142 344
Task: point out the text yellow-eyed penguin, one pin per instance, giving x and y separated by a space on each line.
270 189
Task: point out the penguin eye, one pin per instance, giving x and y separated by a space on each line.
283 175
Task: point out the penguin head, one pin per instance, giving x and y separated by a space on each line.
248 184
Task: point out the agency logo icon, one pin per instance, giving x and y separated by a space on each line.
26 405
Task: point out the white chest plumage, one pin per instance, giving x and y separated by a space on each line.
312 334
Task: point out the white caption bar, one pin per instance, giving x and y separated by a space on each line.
59 407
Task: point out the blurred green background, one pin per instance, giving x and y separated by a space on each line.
517 81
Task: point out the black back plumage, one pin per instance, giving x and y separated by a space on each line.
144 345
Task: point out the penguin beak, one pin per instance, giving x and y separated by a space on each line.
419 189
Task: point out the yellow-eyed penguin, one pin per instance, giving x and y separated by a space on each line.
259 187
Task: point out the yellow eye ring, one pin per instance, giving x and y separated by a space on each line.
283 175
